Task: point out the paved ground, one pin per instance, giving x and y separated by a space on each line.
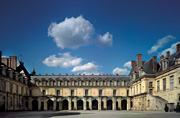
89 114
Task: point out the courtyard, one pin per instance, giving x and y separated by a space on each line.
89 114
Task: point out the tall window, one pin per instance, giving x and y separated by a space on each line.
16 89
158 86
22 90
114 92
171 82
164 84
30 92
150 84
72 92
100 92
86 92
58 92
44 92
127 92
11 88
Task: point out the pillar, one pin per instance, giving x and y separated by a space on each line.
114 103
119 103
29 102
39 104
45 104
54 104
69 103
105 103
99 103
84 104
75 104
60 105
90 104
128 103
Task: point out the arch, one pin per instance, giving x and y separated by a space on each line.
65 105
94 105
79 105
50 104
109 105
34 105
124 104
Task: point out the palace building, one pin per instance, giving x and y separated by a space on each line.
149 86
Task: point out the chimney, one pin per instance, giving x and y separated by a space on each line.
177 47
13 62
139 60
66 74
167 54
154 64
132 63
162 56
0 56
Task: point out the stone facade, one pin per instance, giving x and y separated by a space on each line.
149 86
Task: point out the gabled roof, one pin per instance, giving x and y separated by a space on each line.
22 68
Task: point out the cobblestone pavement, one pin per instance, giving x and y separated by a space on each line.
89 114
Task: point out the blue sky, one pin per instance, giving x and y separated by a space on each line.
87 36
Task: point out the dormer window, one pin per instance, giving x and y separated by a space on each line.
165 64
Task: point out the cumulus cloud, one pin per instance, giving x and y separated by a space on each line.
128 64
172 50
76 32
120 71
89 67
105 40
161 43
64 60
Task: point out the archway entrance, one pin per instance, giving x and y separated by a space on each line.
109 105
42 105
79 105
124 104
65 105
72 105
57 105
94 105
50 104
34 105
102 105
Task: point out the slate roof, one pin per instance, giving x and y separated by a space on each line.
82 77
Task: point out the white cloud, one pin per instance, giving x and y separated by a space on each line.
161 43
76 32
105 40
89 67
65 60
120 71
90 73
128 64
172 50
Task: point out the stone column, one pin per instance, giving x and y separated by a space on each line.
105 103
90 103
84 104
99 103
69 103
29 102
119 102
54 104
114 103
39 103
45 104
60 105
75 104
128 103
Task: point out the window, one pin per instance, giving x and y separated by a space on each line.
114 92
115 83
5 86
30 92
158 86
171 82
17 101
16 89
44 92
127 92
11 101
58 92
11 88
164 84
72 92
100 92
150 84
86 92
22 90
